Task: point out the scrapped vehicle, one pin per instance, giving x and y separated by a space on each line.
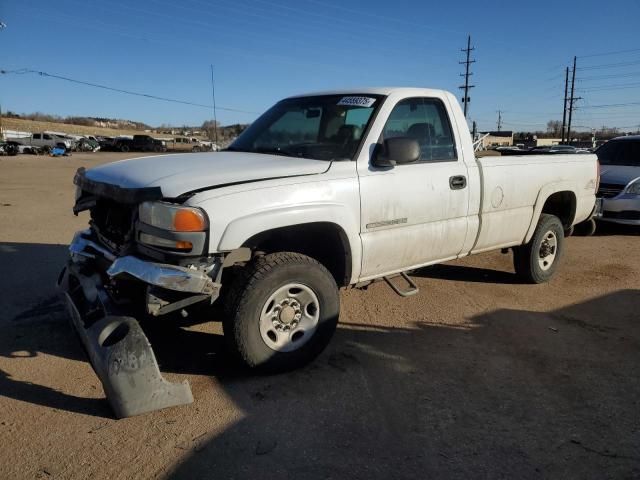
323 191
190 144
121 144
47 139
86 144
8 148
146 143
620 180
26 149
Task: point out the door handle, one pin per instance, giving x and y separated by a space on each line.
457 182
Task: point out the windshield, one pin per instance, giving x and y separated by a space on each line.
326 127
621 152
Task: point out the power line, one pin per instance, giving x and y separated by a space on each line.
467 74
119 90
610 87
610 53
610 65
612 105
604 77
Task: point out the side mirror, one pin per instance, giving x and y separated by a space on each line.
397 150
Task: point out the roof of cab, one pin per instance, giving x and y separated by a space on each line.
405 91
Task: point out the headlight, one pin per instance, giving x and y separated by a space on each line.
175 218
633 188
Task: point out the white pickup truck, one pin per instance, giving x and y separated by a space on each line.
323 191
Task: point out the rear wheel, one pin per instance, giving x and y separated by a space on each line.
537 261
282 312
124 148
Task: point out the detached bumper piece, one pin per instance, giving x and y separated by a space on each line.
118 349
116 345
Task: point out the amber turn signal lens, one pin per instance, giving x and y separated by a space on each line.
182 245
188 221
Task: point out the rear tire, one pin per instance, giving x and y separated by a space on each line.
282 309
537 261
124 148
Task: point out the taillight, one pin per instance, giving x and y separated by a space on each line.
597 175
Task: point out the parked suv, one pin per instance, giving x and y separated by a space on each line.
146 143
620 180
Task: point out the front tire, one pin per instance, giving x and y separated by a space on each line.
282 309
537 261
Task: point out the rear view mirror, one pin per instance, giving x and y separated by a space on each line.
312 113
397 150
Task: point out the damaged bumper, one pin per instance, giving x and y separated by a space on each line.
117 347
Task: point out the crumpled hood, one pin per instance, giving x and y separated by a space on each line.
618 174
181 173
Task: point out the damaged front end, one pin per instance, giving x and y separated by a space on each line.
110 279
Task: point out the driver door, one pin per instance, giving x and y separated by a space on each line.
414 214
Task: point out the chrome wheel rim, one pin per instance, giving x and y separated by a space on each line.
548 250
289 317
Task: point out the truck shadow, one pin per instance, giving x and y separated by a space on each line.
510 394
33 322
464 273
608 229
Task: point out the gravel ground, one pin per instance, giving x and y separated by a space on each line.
476 377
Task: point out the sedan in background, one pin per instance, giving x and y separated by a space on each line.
620 180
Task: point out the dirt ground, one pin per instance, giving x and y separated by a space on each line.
478 376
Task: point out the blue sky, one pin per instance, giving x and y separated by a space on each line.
263 50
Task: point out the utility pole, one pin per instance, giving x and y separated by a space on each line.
572 100
215 120
499 120
564 108
466 99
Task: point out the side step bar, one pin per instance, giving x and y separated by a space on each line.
412 290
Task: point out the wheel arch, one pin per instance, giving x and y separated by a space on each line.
326 242
326 232
556 199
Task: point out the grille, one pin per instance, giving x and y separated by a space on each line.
113 222
610 190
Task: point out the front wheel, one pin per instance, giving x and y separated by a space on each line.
283 310
537 261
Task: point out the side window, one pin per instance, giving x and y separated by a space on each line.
36 136
46 136
425 120
630 153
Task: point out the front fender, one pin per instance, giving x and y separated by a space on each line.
241 229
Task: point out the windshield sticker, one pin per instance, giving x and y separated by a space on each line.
357 101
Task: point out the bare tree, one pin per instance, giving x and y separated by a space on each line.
554 127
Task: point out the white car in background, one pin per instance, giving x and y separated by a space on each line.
620 180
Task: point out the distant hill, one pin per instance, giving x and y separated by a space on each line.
41 122
113 123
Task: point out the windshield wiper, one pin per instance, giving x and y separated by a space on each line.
275 151
268 150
